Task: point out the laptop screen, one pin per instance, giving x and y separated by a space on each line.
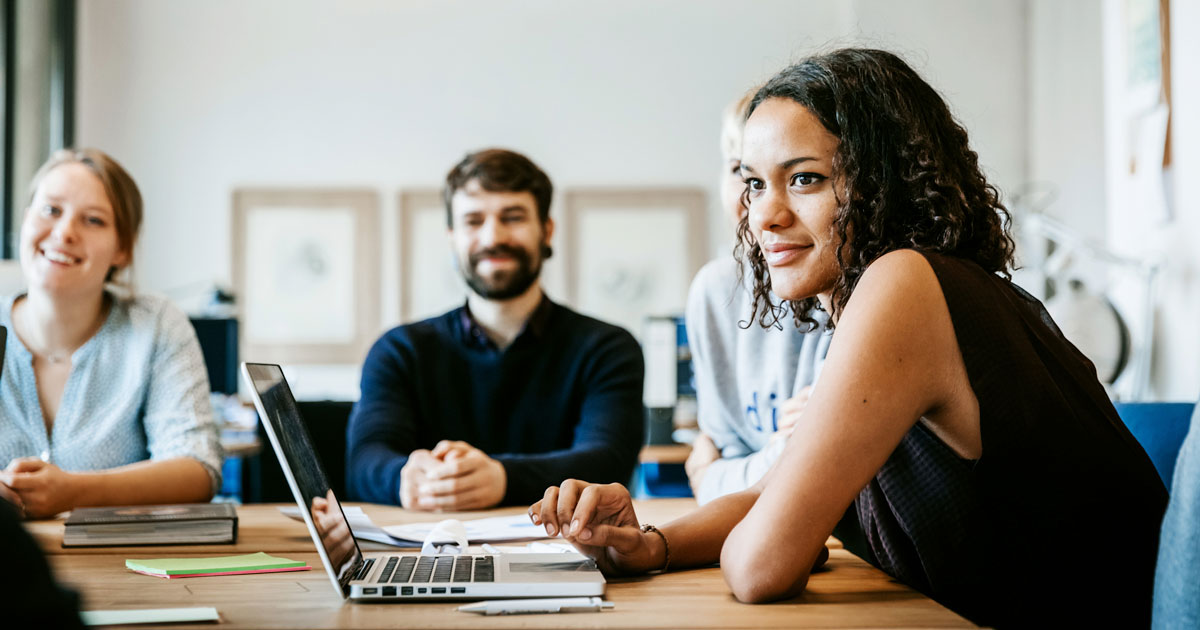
305 475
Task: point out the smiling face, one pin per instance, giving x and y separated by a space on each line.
69 237
498 240
787 162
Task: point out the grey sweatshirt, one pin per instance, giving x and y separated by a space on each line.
743 375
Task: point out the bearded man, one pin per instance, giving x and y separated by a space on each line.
495 401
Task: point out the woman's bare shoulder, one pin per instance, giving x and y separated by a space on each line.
903 283
898 262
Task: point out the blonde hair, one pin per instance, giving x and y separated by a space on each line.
732 123
122 193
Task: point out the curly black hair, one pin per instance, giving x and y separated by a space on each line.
905 176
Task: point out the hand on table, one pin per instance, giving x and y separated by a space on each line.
453 476
600 522
704 452
42 488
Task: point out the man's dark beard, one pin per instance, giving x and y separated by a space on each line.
507 284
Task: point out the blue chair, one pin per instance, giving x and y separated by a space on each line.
1160 428
655 480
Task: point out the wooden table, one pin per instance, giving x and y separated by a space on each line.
849 593
665 453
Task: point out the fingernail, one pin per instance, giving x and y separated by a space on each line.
551 529
535 519
575 526
585 534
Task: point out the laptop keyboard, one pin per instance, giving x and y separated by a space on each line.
437 569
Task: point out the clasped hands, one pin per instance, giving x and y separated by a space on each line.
37 488
453 476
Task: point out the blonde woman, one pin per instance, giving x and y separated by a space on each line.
104 395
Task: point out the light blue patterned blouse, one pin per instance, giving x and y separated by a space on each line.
137 390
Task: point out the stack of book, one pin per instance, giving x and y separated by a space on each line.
189 524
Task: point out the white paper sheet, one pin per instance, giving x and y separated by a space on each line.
489 530
360 524
516 528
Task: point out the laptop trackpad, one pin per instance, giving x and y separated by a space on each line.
547 567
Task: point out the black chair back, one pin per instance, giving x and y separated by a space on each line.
262 478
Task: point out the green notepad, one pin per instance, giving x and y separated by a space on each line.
248 563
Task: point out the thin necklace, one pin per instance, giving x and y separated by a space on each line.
61 356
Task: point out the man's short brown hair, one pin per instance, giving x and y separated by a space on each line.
500 170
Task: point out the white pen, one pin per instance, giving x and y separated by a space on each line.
534 606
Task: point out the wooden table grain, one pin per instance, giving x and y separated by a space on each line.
848 593
665 453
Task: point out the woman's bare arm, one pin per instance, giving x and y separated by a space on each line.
46 489
893 360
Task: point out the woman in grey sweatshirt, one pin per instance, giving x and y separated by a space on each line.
751 382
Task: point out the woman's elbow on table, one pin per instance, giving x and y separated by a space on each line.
754 580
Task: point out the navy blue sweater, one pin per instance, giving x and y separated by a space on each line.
564 400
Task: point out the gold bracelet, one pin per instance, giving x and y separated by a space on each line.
666 545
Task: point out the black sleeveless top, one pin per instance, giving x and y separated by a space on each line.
1057 523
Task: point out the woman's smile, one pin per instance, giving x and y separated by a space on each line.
59 257
782 254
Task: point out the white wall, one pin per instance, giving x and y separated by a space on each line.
1136 228
1065 151
974 53
1176 373
199 97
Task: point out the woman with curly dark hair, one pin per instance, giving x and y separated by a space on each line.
972 438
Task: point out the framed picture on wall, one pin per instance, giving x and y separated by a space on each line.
430 283
306 272
632 253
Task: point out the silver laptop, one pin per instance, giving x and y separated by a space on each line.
398 577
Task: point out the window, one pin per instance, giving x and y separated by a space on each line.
38 67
